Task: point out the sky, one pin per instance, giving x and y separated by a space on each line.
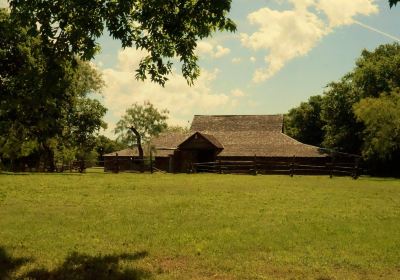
283 52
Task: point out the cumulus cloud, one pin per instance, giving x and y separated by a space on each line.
292 33
122 90
211 49
342 12
236 60
238 93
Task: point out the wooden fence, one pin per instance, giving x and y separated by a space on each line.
289 167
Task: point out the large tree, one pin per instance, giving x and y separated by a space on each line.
165 29
42 94
139 124
376 72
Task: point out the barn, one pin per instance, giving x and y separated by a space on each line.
231 137
123 160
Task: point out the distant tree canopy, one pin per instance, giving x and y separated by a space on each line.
393 2
140 123
165 29
381 117
304 122
359 113
44 106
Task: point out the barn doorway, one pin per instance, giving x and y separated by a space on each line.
198 148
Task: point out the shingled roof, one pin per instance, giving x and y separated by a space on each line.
272 123
242 135
123 153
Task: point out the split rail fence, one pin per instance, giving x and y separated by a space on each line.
284 167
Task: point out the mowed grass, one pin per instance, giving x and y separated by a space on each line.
163 226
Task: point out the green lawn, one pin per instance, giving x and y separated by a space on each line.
162 226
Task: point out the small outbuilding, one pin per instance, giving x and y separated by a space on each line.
123 160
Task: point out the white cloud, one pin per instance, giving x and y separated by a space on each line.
293 33
236 60
211 49
252 59
221 51
342 12
237 93
183 101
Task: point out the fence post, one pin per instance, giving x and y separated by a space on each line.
292 166
81 165
151 162
255 165
332 166
219 167
116 168
355 171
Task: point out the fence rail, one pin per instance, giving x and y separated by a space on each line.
290 167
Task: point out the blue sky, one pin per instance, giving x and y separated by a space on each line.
283 52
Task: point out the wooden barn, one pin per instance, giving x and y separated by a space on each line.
123 160
231 137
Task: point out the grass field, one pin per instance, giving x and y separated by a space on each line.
142 226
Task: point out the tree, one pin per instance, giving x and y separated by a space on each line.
304 122
42 95
165 29
381 117
342 131
140 123
376 72
83 124
105 145
393 3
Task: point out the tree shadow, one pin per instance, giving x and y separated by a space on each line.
82 266
9 264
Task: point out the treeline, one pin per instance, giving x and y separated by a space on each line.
359 114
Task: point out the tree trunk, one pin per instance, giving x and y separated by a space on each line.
139 146
49 159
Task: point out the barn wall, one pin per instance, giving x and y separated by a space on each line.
162 163
124 164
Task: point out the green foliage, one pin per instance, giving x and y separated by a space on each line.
355 114
381 117
198 226
377 71
165 29
304 122
342 131
393 2
44 106
146 119
104 145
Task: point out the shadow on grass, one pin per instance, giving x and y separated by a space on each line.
82 266
9 264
